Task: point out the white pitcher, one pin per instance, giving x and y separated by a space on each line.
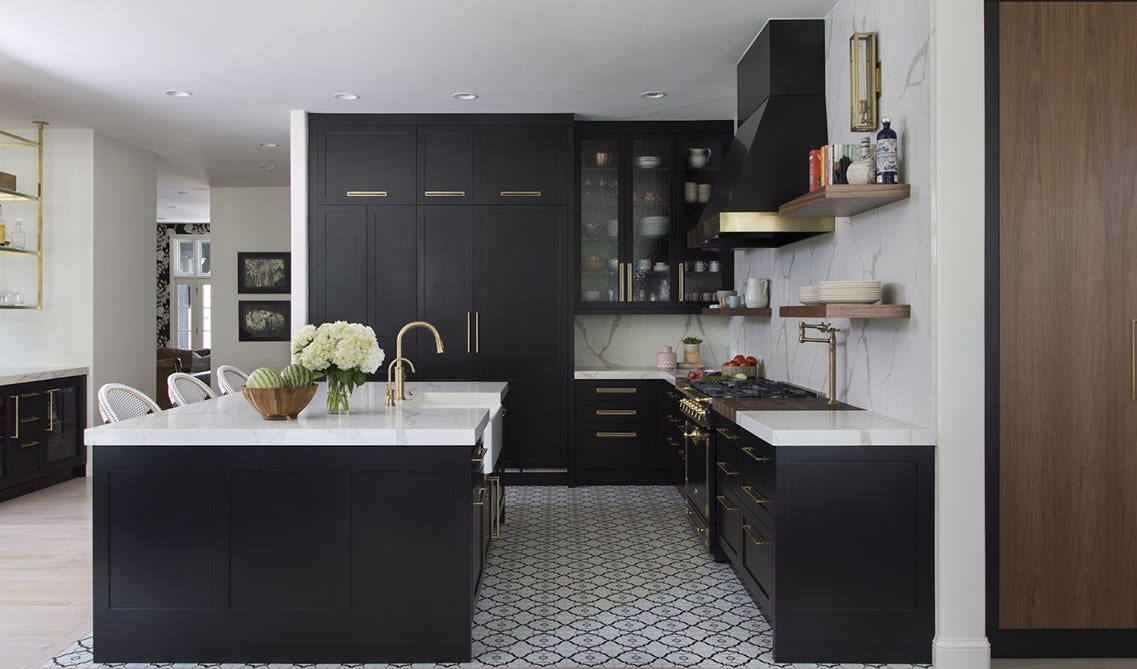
757 293
698 157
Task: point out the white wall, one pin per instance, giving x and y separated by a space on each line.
298 217
244 219
125 199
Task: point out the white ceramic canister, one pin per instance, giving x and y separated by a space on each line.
665 359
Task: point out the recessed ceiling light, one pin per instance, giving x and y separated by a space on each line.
179 94
269 145
268 167
652 95
345 96
183 192
465 95
172 206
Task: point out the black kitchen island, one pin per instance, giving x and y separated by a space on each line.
329 539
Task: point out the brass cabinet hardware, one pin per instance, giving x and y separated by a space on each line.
701 530
479 454
467 332
722 466
29 419
367 193
687 509
481 500
616 391
17 430
27 395
477 332
672 442
616 412
444 193
753 535
672 419
50 411
749 490
630 291
727 433
29 444
749 450
616 435
620 274
1133 357
520 193
682 295
495 506
725 505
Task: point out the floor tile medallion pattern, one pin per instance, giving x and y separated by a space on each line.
604 576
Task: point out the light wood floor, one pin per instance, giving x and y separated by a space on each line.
45 573
45 580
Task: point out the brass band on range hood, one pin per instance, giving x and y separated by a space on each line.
769 221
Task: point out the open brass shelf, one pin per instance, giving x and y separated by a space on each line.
21 252
12 195
10 140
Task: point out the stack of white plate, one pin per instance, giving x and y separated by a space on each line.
808 295
849 292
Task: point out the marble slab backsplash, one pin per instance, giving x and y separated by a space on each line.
633 340
882 365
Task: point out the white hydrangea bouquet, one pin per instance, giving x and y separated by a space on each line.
344 352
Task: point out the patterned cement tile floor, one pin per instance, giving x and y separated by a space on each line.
604 576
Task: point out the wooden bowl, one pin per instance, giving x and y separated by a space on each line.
750 372
279 403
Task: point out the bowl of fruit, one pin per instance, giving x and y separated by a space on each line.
741 364
280 395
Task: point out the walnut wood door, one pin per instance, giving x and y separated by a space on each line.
1068 297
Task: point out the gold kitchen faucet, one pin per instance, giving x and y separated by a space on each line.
398 392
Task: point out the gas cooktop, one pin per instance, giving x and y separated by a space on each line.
759 388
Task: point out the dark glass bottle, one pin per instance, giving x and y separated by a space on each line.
887 154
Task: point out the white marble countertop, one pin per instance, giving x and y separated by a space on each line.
832 428
627 373
10 374
437 414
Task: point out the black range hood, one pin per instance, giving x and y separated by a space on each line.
781 109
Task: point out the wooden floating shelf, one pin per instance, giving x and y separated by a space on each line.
844 200
846 311
741 311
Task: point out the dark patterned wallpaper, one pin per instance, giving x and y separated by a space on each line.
165 230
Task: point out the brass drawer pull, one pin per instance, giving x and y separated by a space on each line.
481 500
725 505
479 455
672 419
620 271
29 419
616 412
51 411
29 444
749 450
754 536
495 506
17 430
444 193
672 442
749 490
520 193
727 433
467 331
616 391
25 396
616 435
722 466
367 193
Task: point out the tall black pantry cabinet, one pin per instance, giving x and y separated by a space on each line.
462 221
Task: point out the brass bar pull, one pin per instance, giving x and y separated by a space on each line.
629 282
477 332
620 274
444 193
616 435
1133 357
754 536
481 500
672 419
17 398
467 332
616 391
682 274
722 466
726 505
29 444
367 193
616 412
27 395
727 433
495 506
29 419
749 490
479 455
50 411
520 193
749 450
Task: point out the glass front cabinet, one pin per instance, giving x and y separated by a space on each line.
641 187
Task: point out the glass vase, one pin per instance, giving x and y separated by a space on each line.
338 395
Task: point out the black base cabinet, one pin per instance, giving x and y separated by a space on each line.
834 544
301 554
41 434
617 433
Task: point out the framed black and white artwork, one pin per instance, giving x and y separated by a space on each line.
264 272
264 321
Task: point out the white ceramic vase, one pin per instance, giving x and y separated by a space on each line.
665 359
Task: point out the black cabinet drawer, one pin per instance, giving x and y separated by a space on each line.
728 520
616 411
616 446
365 165
757 544
758 500
524 164
754 456
588 391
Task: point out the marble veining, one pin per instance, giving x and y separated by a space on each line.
886 365
632 340
437 414
832 428
12 374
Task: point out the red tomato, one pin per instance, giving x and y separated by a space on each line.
751 361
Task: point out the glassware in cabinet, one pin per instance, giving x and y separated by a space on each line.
602 275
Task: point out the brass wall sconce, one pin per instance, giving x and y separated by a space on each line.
864 82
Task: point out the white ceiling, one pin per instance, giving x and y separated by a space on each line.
105 65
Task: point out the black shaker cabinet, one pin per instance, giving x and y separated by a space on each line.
445 292
445 165
41 434
366 165
524 164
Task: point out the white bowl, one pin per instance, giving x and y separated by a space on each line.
648 162
591 295
654 225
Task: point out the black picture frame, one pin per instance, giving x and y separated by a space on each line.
264 320
264 272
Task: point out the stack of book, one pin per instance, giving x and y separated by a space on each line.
827 164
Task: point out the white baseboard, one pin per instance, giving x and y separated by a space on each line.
961 652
